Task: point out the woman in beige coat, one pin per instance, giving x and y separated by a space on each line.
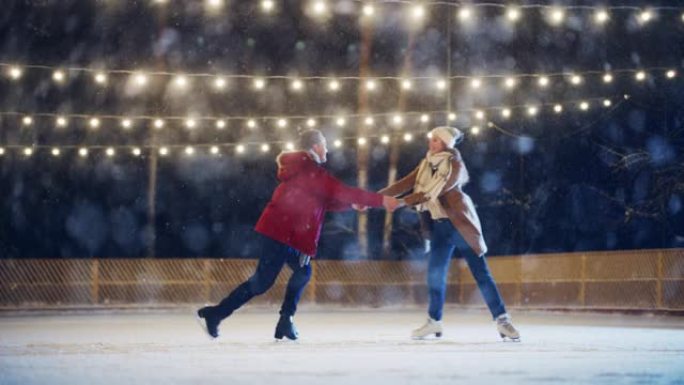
436 186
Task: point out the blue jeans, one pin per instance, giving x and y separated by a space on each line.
271 260
446 239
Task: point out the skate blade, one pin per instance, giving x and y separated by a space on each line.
429 337
509 339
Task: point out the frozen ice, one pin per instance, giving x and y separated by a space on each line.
338 346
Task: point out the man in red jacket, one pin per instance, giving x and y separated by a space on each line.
290 226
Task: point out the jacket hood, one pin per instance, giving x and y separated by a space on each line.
292 163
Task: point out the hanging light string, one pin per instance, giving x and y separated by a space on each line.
214 148
127 122
181 80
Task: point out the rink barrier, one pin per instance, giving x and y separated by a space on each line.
642 280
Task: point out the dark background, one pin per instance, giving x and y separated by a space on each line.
598 180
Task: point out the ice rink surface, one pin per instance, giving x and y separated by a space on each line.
338 346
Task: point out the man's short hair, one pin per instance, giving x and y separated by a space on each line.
308 138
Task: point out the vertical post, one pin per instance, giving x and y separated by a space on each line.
583 280
659 281
206 280
95 281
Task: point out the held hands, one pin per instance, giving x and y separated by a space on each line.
359 207
392 203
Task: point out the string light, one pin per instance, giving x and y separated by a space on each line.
311 122
94 123
220 124
337 143
100 78
289 146
136 151
220 83
465 13
181 81
558 108
671 74
424 118
384 139
368 10
28 151
362 141
640 76
451 117
61 122
251 123
56 152
475 130
601 16
576 80
163 151
83 152
58 76
110 152
259 84
506 113
140 79
2 151
282 123
513 14
189 151
297 85
608 78
371 85
15 73
408 137
509 83
240 148
214 150
645 16
190 123
158 124
418 12
265 147
397 120
543 81
480 115
441 84
267 5
584 106
126 123
406 84
334 85
27 120
557 16
369 121
475 83
340 122
532 110
607 103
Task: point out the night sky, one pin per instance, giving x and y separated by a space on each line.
608 178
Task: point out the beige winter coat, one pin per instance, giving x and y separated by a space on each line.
457 204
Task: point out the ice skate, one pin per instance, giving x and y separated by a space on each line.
431 327
506 329
208 321
286 328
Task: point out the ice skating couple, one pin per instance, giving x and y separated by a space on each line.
290 226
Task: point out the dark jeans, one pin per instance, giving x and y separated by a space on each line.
271 260
446 239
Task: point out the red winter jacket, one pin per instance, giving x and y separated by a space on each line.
294 215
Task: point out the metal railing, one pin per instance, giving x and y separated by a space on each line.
651 280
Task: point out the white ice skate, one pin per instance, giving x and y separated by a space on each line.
431 327
506 329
